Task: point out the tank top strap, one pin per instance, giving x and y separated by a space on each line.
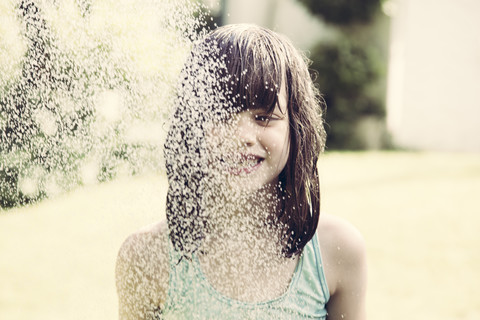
320 268
181 277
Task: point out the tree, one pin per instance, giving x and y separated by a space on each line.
348 66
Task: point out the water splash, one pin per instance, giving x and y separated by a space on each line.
89 89
86 87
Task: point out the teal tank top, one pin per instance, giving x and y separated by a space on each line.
190 295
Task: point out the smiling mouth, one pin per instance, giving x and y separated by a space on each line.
244 164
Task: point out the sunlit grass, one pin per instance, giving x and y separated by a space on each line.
419 214
57 257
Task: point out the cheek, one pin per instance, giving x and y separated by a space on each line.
218 138
279 146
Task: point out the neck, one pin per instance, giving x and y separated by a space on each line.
244 221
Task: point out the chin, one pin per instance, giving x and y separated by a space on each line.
250 184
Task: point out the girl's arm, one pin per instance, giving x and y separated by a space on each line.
142 273
345 268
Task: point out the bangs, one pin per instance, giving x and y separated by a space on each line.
256 83
254 73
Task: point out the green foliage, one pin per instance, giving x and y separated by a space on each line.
344 70
350 68
51 128
343 12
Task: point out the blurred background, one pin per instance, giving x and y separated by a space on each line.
85 93
394 73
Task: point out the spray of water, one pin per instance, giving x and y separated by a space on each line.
85 89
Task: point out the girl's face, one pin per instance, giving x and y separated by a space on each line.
253 148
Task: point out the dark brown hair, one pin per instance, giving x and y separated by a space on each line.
233 68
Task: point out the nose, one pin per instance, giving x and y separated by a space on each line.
246 131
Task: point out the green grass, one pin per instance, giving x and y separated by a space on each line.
419 214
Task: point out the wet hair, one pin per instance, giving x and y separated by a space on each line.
234 68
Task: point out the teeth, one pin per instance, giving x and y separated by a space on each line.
246 163
242 162
249 163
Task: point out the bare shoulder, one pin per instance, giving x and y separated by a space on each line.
344 259
142 271
343 249
340 236
146 241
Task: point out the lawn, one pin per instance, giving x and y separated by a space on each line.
419 214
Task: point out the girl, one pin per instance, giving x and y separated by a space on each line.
243 239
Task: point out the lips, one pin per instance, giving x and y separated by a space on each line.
244 164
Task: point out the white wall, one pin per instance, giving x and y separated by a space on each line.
434 75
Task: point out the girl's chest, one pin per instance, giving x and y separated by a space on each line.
245 278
